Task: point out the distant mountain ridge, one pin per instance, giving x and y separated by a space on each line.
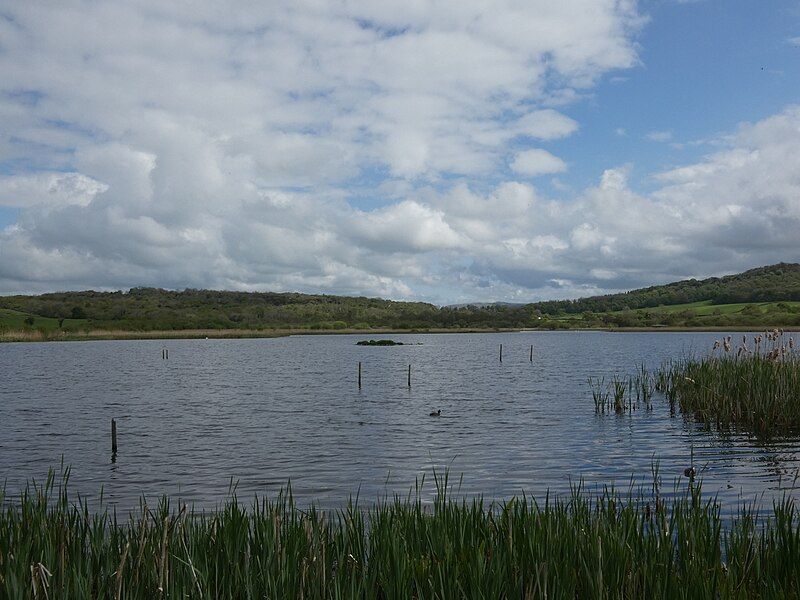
772 283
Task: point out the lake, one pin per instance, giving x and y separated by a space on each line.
262 412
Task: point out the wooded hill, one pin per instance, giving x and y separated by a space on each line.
157 309
768 296
764 284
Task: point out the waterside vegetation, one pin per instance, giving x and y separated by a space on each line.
588 544
752 385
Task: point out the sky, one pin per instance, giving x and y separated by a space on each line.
445 151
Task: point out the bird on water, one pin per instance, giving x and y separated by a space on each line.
437 413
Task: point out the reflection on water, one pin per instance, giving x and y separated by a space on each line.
267 411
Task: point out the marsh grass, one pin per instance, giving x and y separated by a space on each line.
601 544
623 394
755 385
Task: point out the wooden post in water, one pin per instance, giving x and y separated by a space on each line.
501 352
113 436
409 375
166 353
359 374
531 352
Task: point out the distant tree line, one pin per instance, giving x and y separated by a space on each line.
764 284
147 309
157 309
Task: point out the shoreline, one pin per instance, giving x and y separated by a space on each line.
188 334
589 544
192 334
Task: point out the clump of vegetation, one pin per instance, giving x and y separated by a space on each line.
755 384
585 545
623 394
378 343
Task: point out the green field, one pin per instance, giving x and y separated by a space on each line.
701 314
706 307
700 309
14 320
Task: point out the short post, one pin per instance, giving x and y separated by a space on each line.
531 352
501 352
409 375
113 436
359 374
166 353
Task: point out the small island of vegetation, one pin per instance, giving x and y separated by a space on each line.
378 343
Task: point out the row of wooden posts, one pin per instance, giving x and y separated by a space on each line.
165 356
501 353
409 366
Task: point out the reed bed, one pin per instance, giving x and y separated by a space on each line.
600 544
755 385
623 394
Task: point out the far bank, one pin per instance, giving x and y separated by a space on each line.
186 334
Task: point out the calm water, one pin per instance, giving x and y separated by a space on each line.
269 410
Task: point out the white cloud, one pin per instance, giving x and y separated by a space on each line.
794 41
537 162
351 148
48 189
659 136
545 125
220 145
407 226
734 209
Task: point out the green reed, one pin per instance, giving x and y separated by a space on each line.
755 385
623 394
585 544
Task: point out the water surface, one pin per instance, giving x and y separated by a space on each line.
266 411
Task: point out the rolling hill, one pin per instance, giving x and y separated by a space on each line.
766 296
773 283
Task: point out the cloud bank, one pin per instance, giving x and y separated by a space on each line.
356 147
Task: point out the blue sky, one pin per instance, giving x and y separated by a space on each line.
705 67
446 152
